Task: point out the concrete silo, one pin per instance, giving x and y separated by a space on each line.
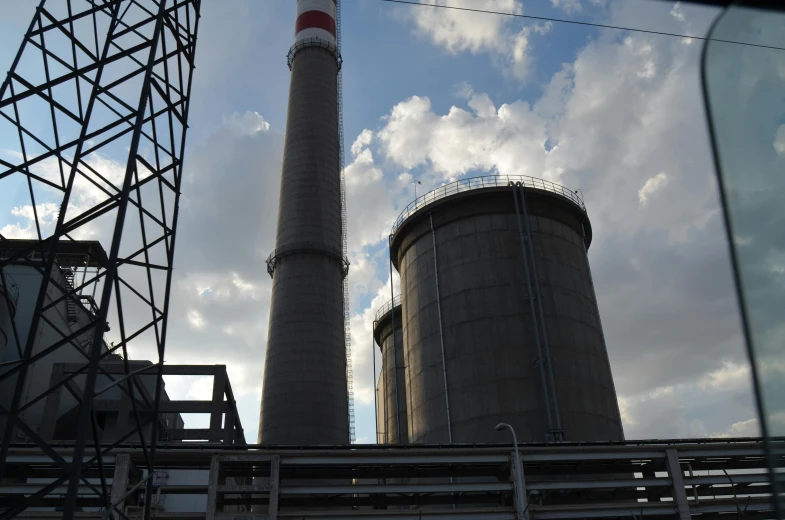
393 375
500 312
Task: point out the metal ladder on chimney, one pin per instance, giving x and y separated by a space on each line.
70 301
346 310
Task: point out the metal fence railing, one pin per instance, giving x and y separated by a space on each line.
384 309
487 181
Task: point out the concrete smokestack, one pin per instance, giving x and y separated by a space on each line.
304 396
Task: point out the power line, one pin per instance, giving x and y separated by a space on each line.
575 22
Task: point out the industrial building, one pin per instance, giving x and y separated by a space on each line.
497 322
55 417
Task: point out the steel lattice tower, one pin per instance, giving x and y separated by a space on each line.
94 110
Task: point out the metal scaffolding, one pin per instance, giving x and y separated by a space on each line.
97 98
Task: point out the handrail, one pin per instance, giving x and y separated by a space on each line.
384 309
281 252
13 287
486 181
313 42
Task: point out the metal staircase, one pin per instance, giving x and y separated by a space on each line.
70 301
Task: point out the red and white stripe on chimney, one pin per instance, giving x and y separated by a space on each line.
315 19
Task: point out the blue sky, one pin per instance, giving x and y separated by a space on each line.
438 95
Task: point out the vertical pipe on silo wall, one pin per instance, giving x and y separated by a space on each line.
530 282
538 298
441 331
493 375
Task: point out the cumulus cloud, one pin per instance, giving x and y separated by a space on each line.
368 201
196 319
363 140
362 334
510 139
247 123
98 178
652 186
779 141
705 407
568 6
25 226
676 12
500 36
748 428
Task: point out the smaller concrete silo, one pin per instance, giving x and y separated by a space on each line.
387 331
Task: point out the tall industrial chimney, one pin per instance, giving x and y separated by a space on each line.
304 396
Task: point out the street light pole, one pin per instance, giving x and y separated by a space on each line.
415 182
520 491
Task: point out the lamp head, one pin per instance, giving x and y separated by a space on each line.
500 427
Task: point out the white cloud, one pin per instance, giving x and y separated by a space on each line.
510 139
568 6
747 428
652 186
98 177
363 278
246 289
779 141
247 123
677 12
369 197
26 228
463 90
721 398
362 171
362 342
461 31
195 319
734 377
363 140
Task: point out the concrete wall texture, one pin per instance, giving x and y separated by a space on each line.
304 396
490 352
383 334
